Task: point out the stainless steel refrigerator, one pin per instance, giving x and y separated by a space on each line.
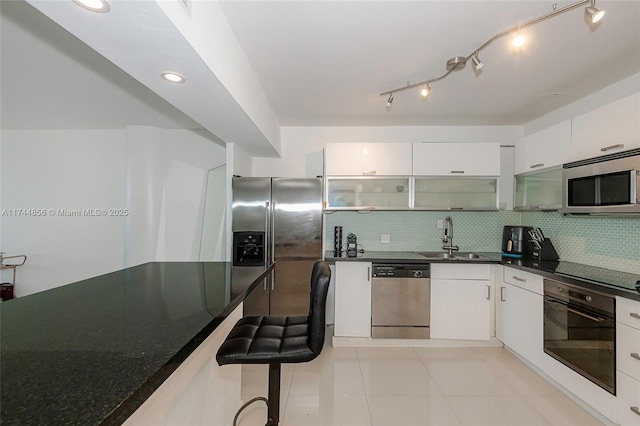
278 219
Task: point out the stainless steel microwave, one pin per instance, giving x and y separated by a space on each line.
606 185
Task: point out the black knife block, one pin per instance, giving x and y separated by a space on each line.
546 252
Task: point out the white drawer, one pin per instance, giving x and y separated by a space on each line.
522 279
628 312
628 350
460 272
628 400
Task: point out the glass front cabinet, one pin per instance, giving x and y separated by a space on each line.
367 193
411 193
445 193
539 191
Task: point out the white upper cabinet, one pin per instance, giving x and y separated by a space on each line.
546 148
367 159
611 128
456 159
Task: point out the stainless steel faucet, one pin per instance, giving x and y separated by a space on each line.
447 237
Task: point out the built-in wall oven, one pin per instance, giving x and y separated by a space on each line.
579 331
400 303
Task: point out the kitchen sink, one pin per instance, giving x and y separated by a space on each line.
461 256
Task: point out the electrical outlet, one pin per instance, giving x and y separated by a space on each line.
440 224
385 238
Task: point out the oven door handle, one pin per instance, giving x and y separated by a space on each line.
591 317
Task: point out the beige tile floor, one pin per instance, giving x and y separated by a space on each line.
412 386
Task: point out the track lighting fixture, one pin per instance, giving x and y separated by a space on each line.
457 63
477 63
594 14
390 100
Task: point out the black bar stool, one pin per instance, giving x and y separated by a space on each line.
276 340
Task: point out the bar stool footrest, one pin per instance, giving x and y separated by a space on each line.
248 403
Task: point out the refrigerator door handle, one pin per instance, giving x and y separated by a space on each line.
272 231
267 222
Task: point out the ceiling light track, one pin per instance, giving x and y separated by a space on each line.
457 63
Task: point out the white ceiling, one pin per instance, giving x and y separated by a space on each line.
320 63
325 62
52 80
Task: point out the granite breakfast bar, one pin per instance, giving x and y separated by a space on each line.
94 351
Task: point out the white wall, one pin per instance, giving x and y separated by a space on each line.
166 192
70 170
157 176
213 244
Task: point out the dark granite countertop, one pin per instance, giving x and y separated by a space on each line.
604 280
380 256
93 351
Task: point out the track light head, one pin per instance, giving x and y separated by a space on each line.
477 63
593 13
424 93
518 41
390 101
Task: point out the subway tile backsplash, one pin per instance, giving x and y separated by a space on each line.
607 242
604 241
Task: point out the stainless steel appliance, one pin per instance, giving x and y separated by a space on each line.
278 219
609 184
401 299
579 331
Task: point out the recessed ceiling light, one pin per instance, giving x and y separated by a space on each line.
101 6
173 77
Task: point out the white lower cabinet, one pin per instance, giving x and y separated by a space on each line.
520 322
353 299
461 302
628 399
628 361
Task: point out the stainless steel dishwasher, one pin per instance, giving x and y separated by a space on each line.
401 298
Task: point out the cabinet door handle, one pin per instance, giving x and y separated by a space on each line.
459 172
369 172
522 280
368 273
635 355
635 410
634 315
535 166
610 147
502 299
488 292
